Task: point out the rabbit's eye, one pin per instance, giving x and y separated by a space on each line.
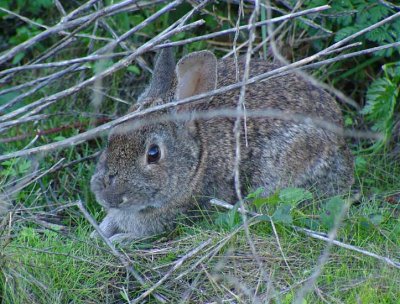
153 154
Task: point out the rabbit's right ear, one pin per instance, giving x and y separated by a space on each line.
163 75
196 73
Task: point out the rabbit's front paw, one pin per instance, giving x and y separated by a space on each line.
123 238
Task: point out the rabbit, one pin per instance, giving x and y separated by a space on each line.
153 170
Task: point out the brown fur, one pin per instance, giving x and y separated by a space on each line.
198 155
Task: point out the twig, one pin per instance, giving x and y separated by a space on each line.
23 120
78 11
60 8
100 51
282 70
65 24
178 264
288 67
32 22
54 77
123 259
243 27
324 237
11 189
76 125
272 113
47 101
35 81
240 107
319 236
323 258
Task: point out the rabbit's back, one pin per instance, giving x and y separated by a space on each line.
289 93
277 150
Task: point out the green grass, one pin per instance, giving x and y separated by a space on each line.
49 266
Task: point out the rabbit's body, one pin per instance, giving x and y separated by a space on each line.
197 156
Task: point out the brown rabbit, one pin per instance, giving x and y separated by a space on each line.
152 169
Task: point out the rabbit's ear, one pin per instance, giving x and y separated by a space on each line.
196 73
163 74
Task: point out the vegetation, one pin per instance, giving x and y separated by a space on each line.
46 255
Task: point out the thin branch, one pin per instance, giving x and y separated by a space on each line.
100 51
65 24
35 81
126 262
77 125
57 64
34 23
47 101
243 27
177 264
80 138
319 236
271 113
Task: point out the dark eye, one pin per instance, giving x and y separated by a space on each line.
153 154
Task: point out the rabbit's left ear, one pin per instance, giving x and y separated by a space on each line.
163 75
196 73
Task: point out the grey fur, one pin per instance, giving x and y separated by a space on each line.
197 157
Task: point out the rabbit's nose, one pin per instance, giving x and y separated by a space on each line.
110 179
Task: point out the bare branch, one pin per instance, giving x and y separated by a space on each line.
65 24
318 235
80 138
47 101
244 27
177 264
126 262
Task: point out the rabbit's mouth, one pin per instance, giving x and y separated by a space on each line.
132 205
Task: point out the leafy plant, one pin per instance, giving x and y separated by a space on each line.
280 205
345 18
382 103
14 168
284 207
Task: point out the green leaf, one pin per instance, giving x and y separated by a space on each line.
229 219
377 35
7 97
17 58
293 196
24 166
345 32
282 214
271 200
332 210
376 219
134 69
59 138
382 103
255 194
309 223
348 121
361 163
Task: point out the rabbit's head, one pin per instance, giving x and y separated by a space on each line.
153 162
